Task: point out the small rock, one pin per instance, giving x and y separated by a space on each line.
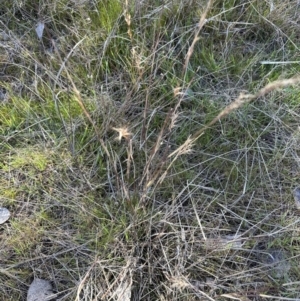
3 95
39 29
40 290
4 215
296 194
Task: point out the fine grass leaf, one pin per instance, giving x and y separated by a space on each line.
235 296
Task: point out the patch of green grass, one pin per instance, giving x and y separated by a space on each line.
106 14
27 157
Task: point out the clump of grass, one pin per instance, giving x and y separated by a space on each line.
149 151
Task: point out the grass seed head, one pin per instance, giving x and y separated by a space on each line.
123 133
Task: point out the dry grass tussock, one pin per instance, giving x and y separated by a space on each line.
149 150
